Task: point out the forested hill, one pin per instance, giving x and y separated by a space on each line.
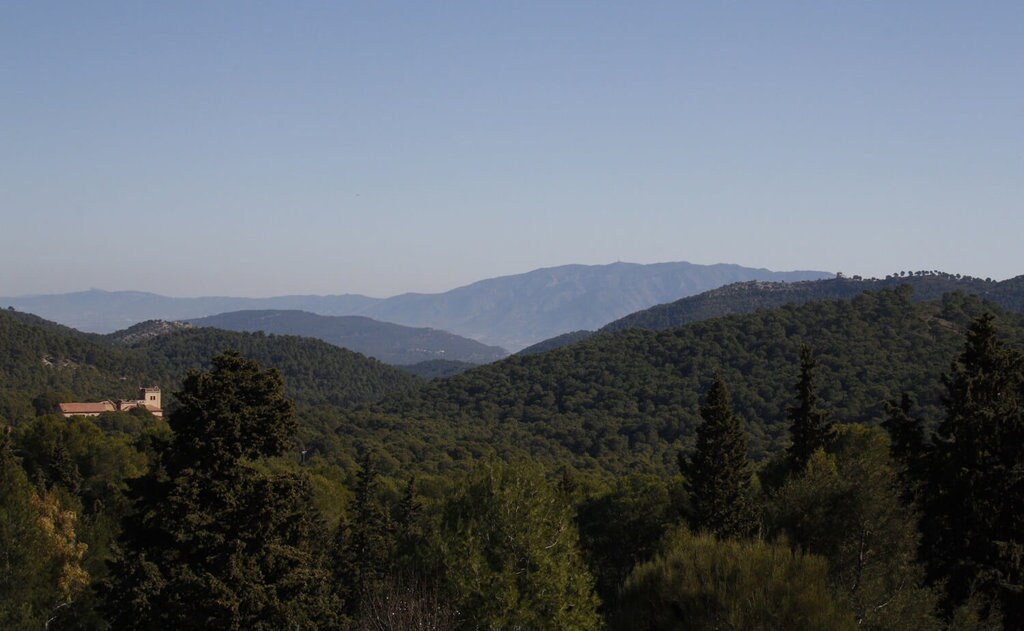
391 343
629 400
39 359
748 297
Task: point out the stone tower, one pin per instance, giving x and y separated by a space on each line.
150 397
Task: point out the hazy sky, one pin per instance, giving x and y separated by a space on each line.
305 147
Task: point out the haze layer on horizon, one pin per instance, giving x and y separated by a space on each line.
378 148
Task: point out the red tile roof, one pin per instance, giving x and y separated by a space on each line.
87 408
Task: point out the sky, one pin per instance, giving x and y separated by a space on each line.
270 148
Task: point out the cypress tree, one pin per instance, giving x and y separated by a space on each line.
809 426
974 524
719 471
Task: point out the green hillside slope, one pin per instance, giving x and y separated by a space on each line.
750 296
629 401
41 358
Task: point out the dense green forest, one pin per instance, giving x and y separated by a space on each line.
628 401
829 465
43 363
750 296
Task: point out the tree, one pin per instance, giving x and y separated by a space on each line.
809 425
906 435
698 582
719 472
216 542
40 555
975 491
848 507
364 546
622 527
510 556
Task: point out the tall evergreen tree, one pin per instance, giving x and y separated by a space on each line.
215 542
408 527
719 471
974 522
809 426
365 542
907 445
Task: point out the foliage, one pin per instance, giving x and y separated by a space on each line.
40 557
509 554
44 363
629 401
698 582
809 425
622 526
719 472
847 506
747 297
908 447
437 368
364 547
215 542
975 495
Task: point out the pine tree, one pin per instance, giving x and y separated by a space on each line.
719 472
809 425
974 522
365 544
907 446
215 542
408 526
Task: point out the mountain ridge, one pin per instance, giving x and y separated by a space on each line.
512 311
393 344
750 296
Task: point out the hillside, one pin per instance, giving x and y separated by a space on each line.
558 341
437 368
751 296
629 400
747 297
390 343
40 358
511 311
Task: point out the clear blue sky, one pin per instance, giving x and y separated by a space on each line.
198 148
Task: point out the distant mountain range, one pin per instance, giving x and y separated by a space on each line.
390 343
511 311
